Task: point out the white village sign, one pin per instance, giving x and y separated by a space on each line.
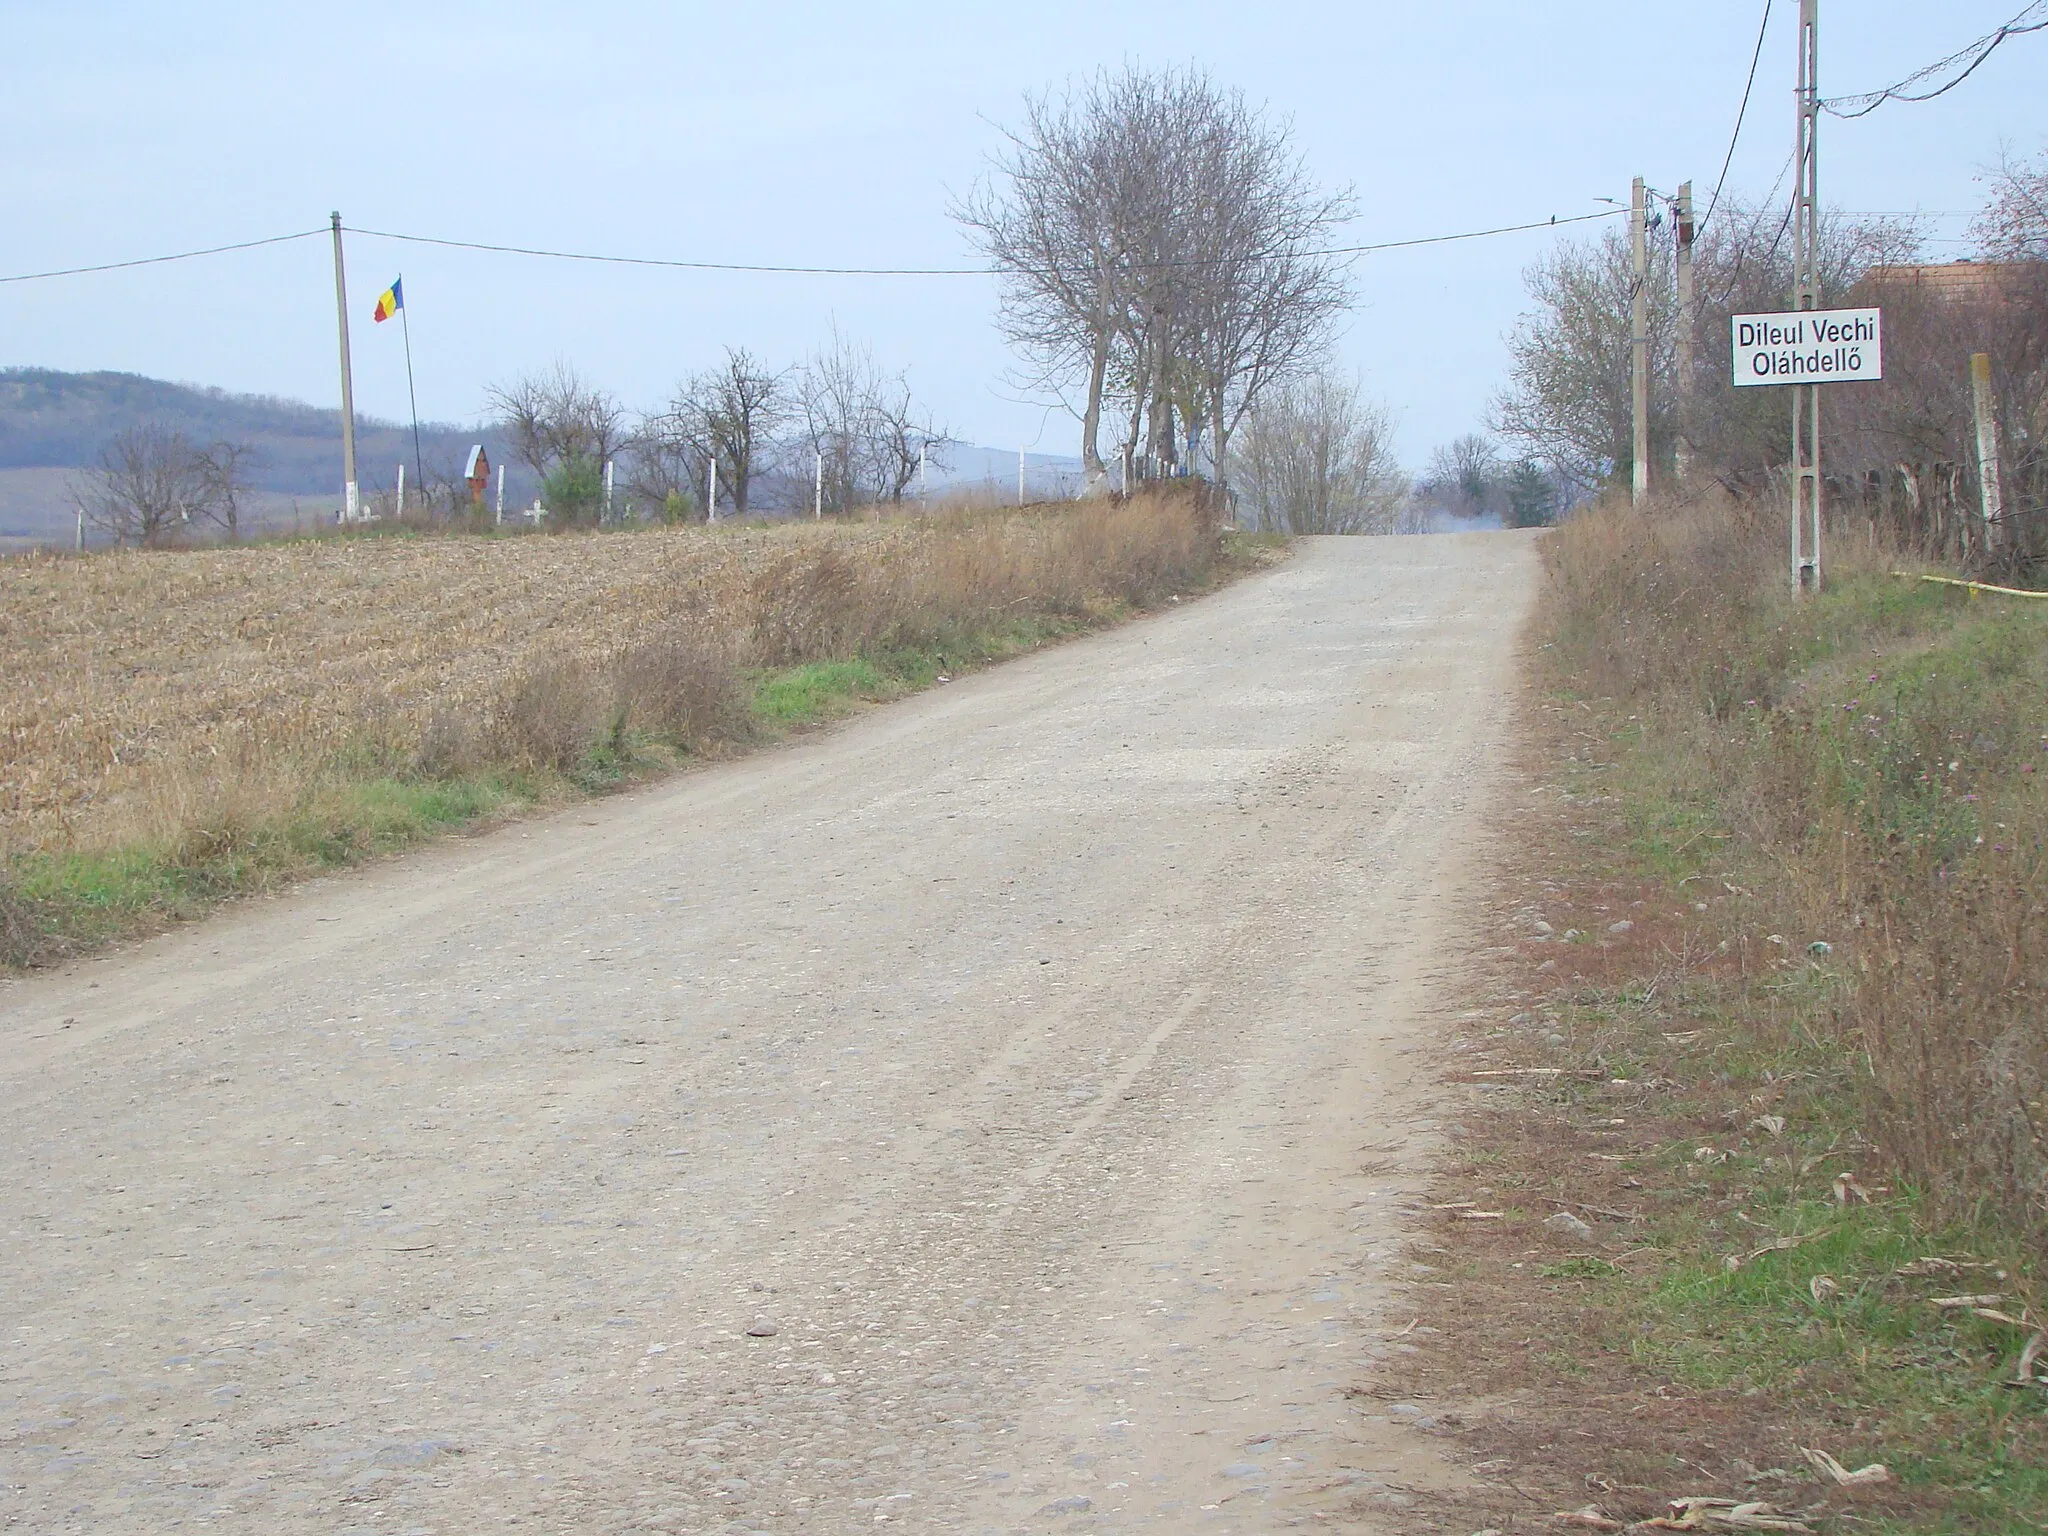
1809 346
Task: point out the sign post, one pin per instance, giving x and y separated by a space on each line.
1806 348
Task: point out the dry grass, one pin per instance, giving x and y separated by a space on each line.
186 705
1871 761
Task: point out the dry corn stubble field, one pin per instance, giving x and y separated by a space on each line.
128 668
143 688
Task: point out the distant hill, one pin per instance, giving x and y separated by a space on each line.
52 420
54 425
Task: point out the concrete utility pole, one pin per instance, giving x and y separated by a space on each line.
1806 487
608 465
1687 321
1990 483
1639 338
1020 477
351 503
401 488
818 488
500 513
711 489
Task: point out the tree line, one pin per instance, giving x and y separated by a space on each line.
832 433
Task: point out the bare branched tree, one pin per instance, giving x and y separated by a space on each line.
2013 224
741 407
1466 478
564 430
1315 456
154 487
861 425
668 452
1159 241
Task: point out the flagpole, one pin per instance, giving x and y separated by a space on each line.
405 322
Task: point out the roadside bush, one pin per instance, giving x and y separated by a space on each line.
683 686
549 718
573 493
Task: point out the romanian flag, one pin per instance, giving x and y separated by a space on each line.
390 301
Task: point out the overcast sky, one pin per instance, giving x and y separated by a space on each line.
832 135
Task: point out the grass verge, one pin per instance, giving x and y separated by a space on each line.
1744 1167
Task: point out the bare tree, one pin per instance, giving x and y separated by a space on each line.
223 472
1159 240
1315 456
1466 478
667 455
152 486
565 431
741 407
861 424
2013 224
898 438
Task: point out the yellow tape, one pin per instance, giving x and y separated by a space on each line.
1974 586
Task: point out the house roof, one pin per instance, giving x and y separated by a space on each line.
1964 280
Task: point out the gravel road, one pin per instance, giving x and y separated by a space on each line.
992 1114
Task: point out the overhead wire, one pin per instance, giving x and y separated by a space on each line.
151 261
759 267
2033 19
1741 112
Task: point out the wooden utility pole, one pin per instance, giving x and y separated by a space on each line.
1687 321
1806 484
1639 338
1990 483
351 501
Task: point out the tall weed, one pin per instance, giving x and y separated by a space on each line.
1872 759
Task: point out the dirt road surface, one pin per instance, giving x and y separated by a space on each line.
993 1114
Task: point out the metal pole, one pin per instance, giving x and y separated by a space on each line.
1686 322
1806 482
1990 484
401 488
711 489
818 487
351 504
419 460
1020 477
608 464
81 528
501 496
1639 340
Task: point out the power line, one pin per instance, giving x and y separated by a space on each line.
762 267
727 266
151 261
2033 19
1740 113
